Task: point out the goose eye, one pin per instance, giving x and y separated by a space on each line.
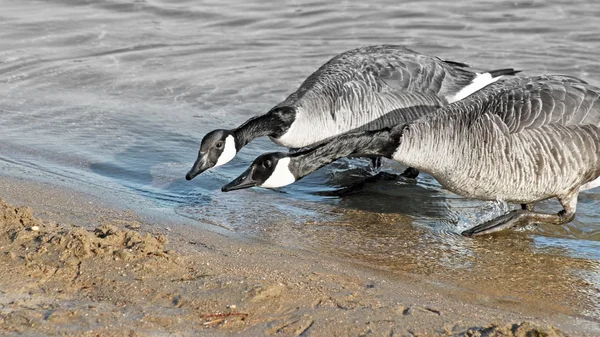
267 164
219 144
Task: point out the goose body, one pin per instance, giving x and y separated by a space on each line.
374 87
520 140
362 89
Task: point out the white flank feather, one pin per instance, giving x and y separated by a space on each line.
590 185
479 82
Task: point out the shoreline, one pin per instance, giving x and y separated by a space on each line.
114 273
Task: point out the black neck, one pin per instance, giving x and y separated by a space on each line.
357 144
274 123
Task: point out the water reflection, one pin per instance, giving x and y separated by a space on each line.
490 267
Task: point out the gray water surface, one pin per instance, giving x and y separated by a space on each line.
113 97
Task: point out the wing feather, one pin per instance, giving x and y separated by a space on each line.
532 103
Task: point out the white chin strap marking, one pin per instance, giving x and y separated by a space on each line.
281 176
228 152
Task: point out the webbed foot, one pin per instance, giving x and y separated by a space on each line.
502 222
526 216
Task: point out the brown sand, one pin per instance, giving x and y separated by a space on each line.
120 276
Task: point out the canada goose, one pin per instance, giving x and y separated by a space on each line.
520 140
362 89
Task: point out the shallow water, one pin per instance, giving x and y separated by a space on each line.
113 97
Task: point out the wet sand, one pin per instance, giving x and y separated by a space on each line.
72 265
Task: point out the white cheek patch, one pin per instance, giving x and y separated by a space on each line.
228 152
281 176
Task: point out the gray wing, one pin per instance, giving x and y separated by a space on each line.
401 69
376 71
368 83
530 103
372 107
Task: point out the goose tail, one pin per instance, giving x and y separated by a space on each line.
502 72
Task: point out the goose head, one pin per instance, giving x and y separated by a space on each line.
218 147
270 170
279 169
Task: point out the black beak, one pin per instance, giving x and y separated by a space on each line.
243 181
200 166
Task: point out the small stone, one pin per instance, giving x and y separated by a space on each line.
122 254
35 228
134 225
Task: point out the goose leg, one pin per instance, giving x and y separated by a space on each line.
376 163
525 216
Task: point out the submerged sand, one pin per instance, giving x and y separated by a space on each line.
106 272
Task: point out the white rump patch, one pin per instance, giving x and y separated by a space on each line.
590 185
228 152
480 81
281 176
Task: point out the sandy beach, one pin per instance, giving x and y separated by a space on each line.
71 266
103 105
